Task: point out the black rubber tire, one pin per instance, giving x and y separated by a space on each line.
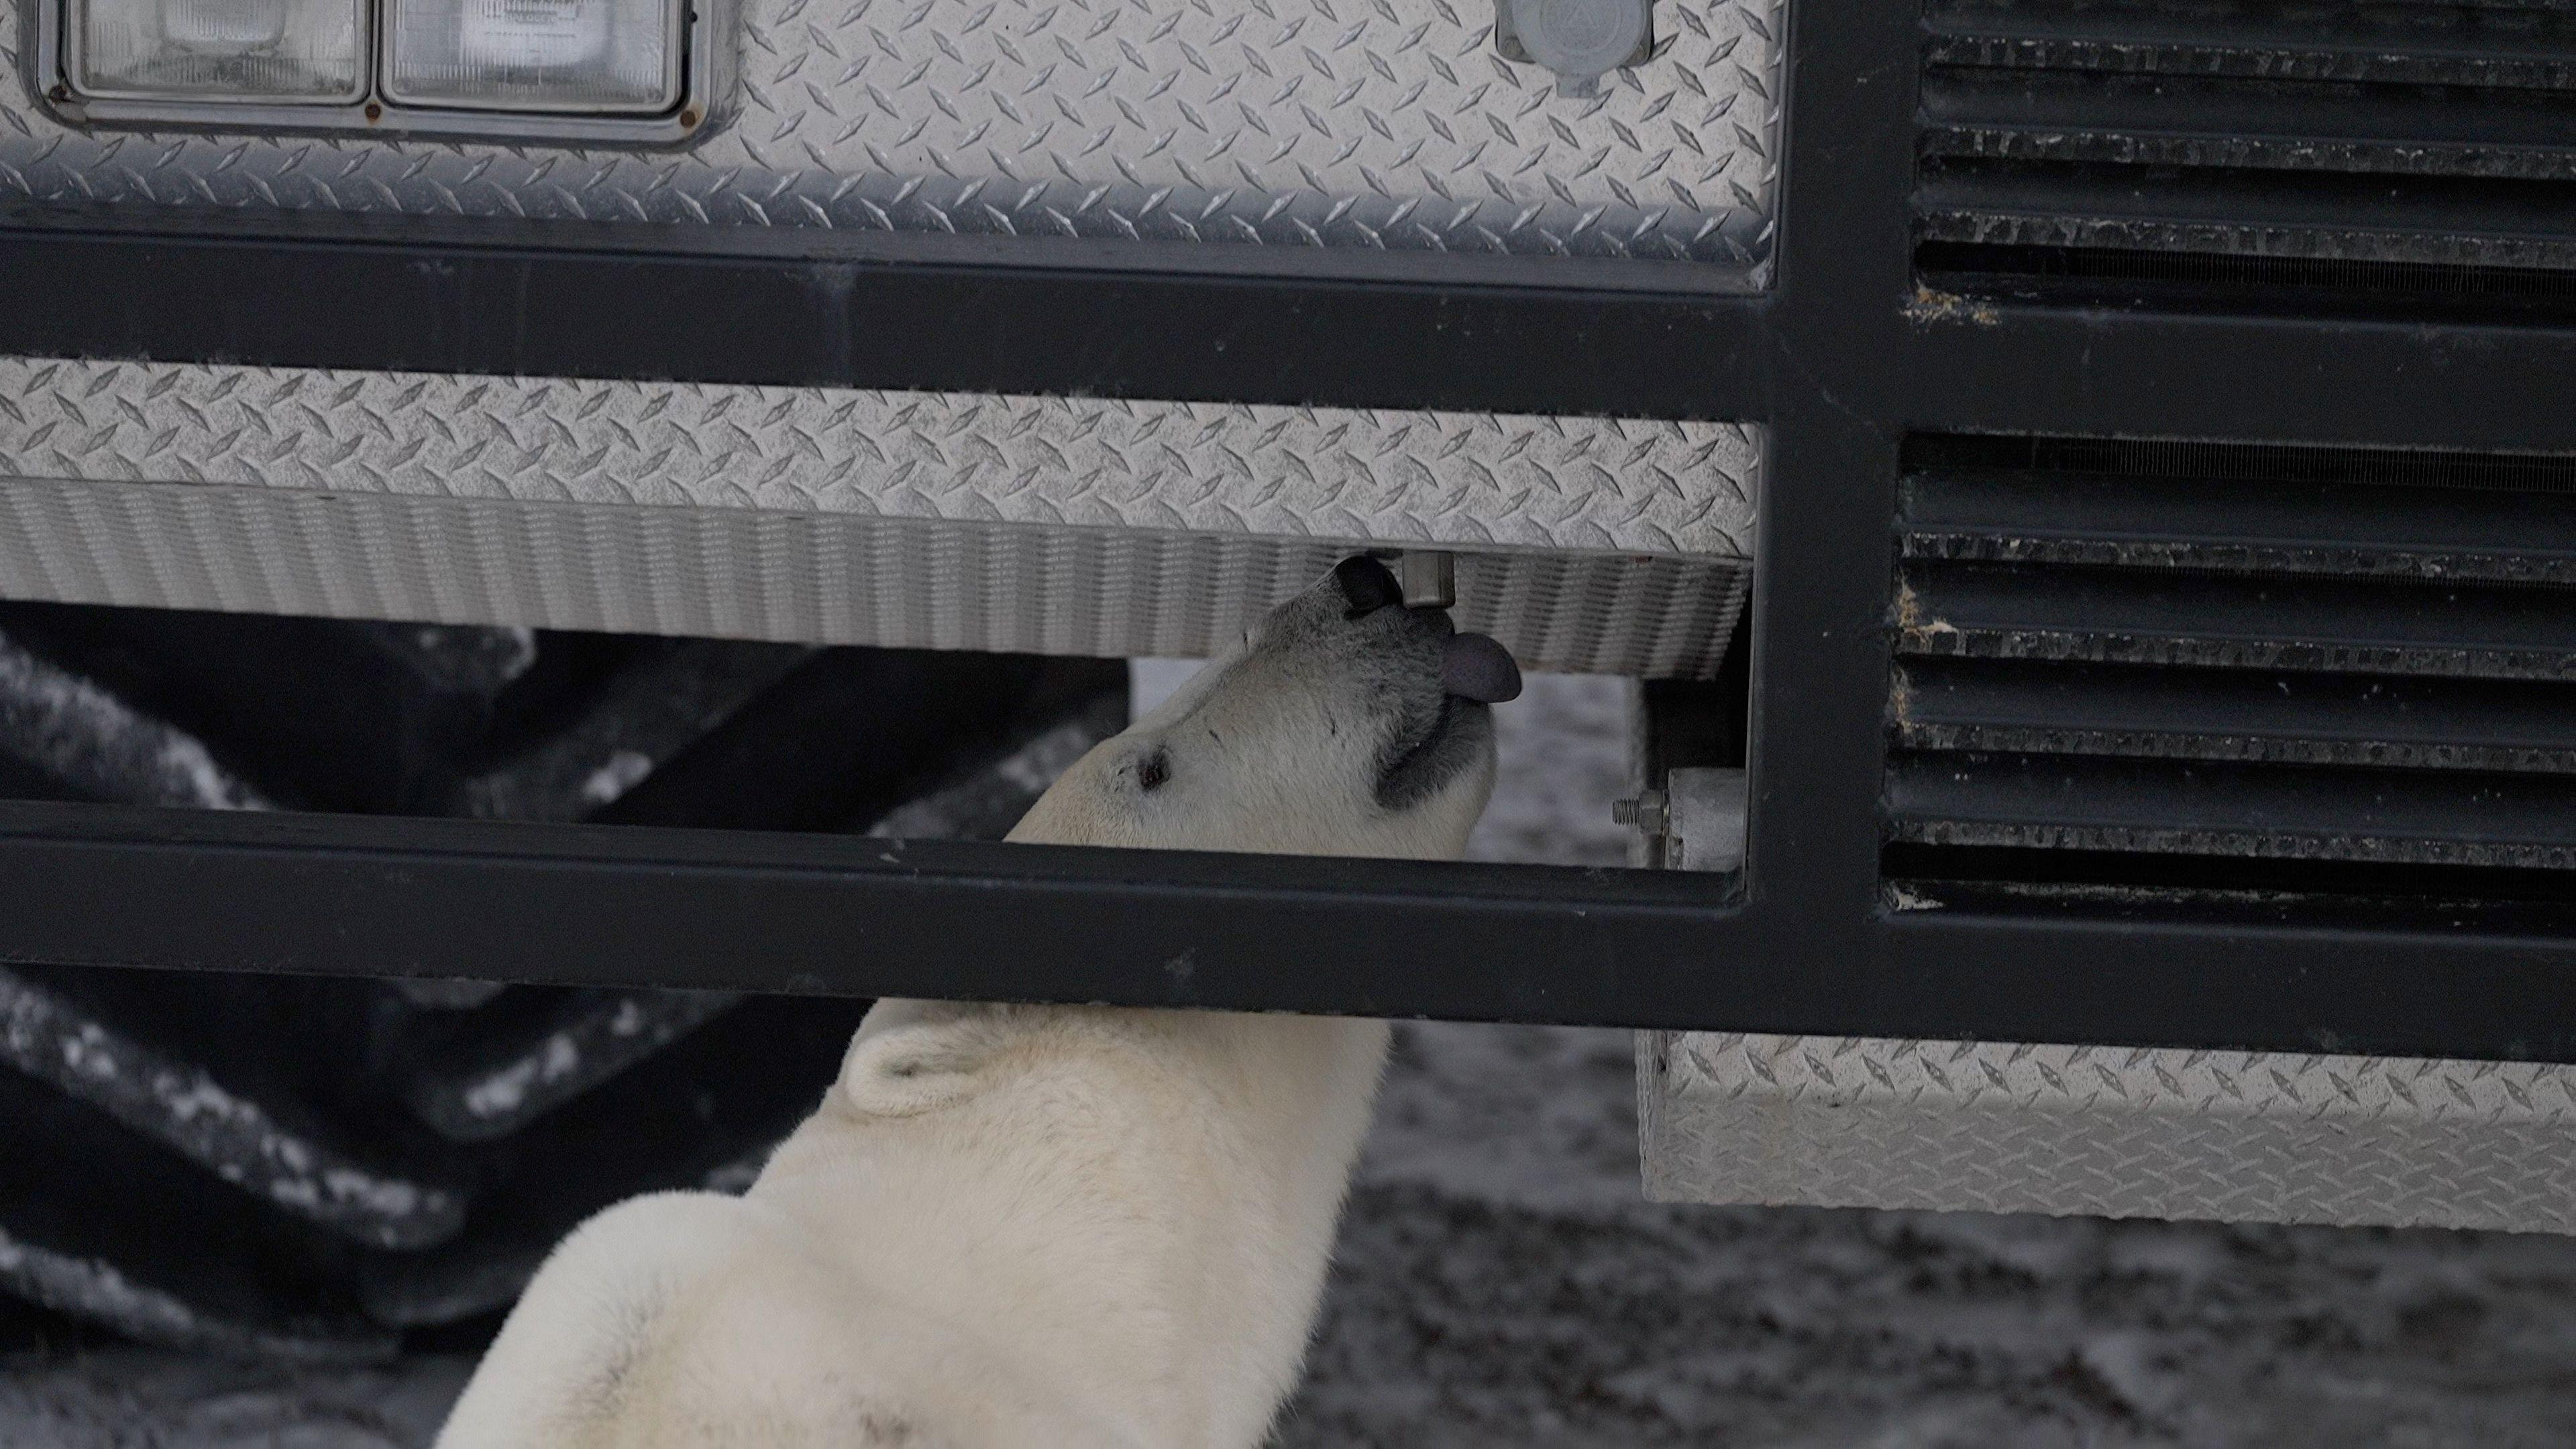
319 1168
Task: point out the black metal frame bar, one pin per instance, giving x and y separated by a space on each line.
1840 360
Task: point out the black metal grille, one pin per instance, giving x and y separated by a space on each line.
2201 670
2280 156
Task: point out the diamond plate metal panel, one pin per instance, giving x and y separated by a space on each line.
803 577
1319 125
2120 1132
1467 480
835 516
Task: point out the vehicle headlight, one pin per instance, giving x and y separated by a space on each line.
293 51
543 70
534 55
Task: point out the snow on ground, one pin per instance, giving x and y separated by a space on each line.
124 1398
1501 1283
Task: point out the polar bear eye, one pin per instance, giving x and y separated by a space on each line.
1152 770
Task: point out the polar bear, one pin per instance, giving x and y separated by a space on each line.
1046 1226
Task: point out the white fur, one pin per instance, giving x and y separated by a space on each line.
1032 1226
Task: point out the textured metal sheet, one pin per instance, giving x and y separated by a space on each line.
2118 1132
942 520
1304 124
1391 476
828 579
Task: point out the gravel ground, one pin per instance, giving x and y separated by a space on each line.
1500 1282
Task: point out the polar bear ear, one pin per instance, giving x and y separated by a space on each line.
914 1067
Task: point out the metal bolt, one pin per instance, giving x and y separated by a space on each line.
1649 811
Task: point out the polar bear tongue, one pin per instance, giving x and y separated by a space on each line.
1475 667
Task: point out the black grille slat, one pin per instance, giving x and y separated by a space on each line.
2162 673
2276 214
2234 715
2399 909
2153 121
2221 524
2388 139
2147 616
2529 47
2141 460
2052 802
2311 286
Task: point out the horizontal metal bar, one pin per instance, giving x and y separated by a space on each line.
2014 368
559 300
2465 221
2072 117
2215 808
828 914
2229 714
2149 979
591 905
2327 292
2431 46
2161 616
2227 525
598 301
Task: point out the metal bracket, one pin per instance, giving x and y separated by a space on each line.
1705 821
1429 576
1700 814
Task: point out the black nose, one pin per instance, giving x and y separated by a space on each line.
1368 584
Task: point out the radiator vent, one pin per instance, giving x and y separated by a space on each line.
2251 154
2291 681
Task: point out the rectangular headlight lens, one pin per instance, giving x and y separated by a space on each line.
220 50
535 55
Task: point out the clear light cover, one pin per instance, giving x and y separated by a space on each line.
535 55
220 50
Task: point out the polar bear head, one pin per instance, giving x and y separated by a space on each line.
1344 724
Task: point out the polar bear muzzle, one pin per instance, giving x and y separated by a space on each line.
1344 723
1439 736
